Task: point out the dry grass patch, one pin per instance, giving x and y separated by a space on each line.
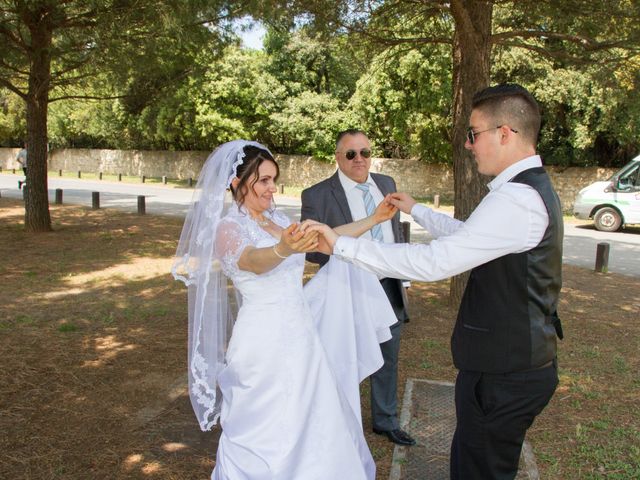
92 331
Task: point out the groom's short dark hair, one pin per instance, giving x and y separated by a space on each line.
349 131
510 104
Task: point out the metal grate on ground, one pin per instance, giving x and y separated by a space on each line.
428 414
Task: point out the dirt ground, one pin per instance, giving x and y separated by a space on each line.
93 352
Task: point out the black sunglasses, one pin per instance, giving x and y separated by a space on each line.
351 154
471 135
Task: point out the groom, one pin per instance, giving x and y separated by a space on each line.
504 340
350 194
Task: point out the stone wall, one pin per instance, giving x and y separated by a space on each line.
126 162
418 178
412 176
302 171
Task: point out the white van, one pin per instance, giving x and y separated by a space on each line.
614 203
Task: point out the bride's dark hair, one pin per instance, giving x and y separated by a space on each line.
247 173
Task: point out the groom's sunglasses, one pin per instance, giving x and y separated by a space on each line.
351 154
471 135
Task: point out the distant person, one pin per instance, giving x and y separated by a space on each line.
21 158
504 339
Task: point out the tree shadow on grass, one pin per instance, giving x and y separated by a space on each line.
93 335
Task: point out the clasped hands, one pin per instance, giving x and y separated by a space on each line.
312 236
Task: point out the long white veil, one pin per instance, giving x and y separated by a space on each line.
212 305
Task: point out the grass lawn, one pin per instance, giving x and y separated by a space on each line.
93 344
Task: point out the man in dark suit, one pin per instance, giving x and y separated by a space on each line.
349 195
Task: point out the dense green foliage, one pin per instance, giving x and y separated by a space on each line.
304 87
591 114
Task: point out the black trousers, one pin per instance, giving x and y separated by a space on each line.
493 413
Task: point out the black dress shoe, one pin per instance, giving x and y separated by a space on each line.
396 436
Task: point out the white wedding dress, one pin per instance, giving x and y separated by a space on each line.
285 414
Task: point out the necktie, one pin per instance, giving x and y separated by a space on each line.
370 206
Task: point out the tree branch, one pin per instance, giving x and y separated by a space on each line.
546 53
9 86
86 97
13 69
393 41
18 41
61 82
71 67
563 55
586 43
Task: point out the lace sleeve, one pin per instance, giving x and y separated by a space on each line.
231 240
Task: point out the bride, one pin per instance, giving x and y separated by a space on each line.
282 407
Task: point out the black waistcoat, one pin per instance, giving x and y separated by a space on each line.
507 320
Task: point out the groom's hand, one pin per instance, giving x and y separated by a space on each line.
327 238
403 201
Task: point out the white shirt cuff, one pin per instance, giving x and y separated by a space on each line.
345 248
418 210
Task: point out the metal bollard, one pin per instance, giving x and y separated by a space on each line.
282 188
119 177
95 200
436 201
99 175
141 205
164 179
143 178
79 174
602 257
58 196
406 231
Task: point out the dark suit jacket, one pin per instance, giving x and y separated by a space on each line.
326 202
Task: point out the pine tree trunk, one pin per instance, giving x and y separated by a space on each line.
471 72
36 211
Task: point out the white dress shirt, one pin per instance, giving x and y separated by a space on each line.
356 204
512 218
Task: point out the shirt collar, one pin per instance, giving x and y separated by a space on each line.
349 184
513 170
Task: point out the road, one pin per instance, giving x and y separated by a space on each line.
580 241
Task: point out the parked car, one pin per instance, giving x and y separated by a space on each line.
613 203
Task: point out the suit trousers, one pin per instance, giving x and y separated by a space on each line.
493 413
384 382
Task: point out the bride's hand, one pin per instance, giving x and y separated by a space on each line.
297 239
385 210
